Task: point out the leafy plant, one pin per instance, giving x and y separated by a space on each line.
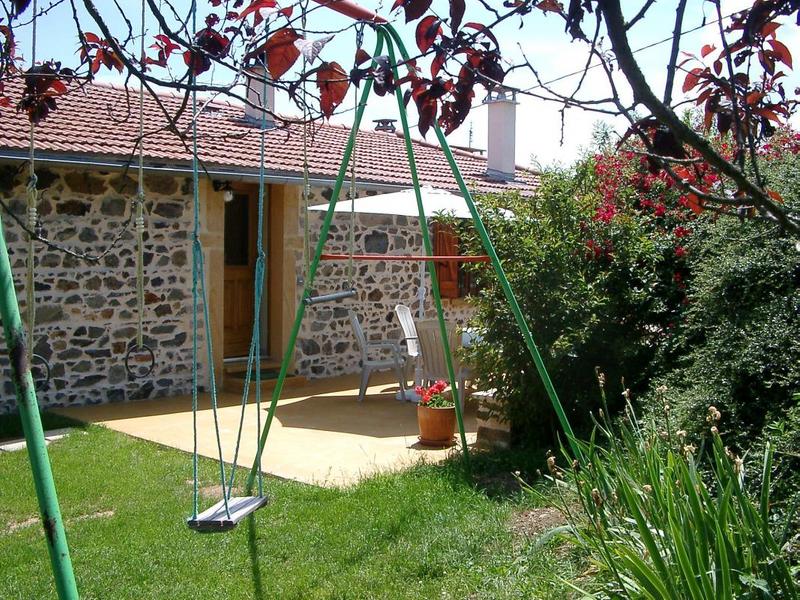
737 341
593 262
664 520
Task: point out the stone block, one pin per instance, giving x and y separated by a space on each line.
169 210
494 430
376 242
122 184
73 208
88 235
49 313
161 184
84 182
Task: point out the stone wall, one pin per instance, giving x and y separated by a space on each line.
86 313
326 344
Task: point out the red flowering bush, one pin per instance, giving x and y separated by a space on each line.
435 396
606 264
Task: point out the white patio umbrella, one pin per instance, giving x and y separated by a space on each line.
405 203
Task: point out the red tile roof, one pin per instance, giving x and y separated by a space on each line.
101 121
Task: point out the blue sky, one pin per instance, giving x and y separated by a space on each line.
542 39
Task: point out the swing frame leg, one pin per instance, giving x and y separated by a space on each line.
522 324
426 241
312 271
34 434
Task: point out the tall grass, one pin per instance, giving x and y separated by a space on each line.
663 519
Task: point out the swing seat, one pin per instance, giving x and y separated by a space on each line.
215 519
344 294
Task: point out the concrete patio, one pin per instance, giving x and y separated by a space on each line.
320 435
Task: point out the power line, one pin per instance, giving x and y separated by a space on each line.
643 48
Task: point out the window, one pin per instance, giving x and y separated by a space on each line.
454 280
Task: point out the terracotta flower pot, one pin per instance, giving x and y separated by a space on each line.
436 425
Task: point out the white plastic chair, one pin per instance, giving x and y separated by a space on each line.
374 358
434 363
411 339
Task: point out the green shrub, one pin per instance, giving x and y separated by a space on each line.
665 520
737 345
590 290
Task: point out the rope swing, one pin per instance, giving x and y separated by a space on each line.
349 290
34 229
230 510
137 205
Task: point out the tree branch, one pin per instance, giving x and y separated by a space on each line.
615 26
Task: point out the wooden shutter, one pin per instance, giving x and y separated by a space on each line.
445 243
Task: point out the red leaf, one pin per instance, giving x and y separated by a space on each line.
91 38
196 61
457 8
383 76
707 49
550 6
414 9
692 77
484 30
781 52
257 5
438 63
775 196
427 109
694 203
19 6
427 31
280 50
768 114
754 97
96 62
362 56
766 61
332 82
769 28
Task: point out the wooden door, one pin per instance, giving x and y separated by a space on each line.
240 256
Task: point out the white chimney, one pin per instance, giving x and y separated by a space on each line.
502 106
255 94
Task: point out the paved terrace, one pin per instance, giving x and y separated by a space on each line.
320 435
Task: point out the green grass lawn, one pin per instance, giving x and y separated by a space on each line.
428 532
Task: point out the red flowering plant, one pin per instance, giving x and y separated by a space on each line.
634 201
435 396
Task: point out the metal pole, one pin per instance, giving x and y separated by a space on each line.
426 240
32 428
312 271
490 251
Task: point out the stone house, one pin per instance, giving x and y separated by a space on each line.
86 312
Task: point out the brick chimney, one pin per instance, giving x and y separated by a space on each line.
255 90
502 107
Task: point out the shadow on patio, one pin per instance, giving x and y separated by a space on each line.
321 433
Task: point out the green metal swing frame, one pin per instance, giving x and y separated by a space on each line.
14 330
388 37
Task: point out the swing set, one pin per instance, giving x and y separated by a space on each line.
231 510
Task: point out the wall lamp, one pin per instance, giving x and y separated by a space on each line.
225 188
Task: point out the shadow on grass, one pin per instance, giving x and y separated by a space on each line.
11 425
255 568
496 473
